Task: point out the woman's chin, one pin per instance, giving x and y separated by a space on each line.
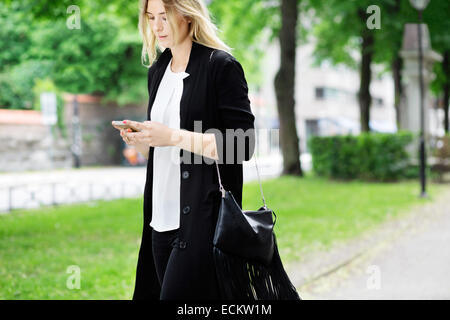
163 44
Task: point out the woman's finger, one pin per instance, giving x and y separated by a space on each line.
124 136
138 126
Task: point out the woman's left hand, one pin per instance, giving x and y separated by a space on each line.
151 133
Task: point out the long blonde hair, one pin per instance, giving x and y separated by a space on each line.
201 29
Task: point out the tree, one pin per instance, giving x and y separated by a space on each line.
445 83
14 36
437 16
285 88
343 29
340 31
103 57
96 59
390 51
245 23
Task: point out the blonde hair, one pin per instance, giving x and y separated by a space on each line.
201 29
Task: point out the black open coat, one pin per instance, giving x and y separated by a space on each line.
215 93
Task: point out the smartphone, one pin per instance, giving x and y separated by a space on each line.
121 125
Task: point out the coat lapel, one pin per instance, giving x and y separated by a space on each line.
189 84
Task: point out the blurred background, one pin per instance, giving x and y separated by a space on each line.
351 100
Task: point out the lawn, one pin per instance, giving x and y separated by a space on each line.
37 247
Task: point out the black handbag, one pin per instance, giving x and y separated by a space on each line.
246 257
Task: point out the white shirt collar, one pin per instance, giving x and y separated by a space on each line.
181 75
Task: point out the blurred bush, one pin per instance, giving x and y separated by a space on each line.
368 156
16 84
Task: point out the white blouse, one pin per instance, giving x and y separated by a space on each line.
166 160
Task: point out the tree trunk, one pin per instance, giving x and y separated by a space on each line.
364 97
397 65
284 83
446 88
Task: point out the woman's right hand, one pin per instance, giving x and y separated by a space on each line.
141 148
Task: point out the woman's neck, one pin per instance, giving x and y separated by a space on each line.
180 55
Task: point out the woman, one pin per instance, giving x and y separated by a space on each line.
195 86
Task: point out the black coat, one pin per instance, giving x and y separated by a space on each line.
216 93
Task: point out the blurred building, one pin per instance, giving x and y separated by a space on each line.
325 97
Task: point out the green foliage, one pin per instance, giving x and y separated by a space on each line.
95 59
339 30
125 11
437 16
244 25
14 36
16 84
103 57
368 156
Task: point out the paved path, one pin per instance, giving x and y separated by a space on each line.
408 258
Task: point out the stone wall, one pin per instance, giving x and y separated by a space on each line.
28 147
26 144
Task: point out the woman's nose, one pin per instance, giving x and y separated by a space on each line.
158 25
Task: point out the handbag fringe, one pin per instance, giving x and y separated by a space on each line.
240 279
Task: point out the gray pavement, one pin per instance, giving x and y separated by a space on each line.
406 258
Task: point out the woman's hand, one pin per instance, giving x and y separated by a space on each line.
155 134
150 133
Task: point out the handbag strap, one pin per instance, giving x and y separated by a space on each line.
222 189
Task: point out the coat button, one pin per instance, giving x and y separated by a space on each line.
186 209
185 174
182 244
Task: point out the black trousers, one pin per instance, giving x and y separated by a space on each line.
163 245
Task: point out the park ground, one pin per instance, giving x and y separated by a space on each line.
403 258
318 221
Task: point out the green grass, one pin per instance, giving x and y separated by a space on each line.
37 247
102 238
